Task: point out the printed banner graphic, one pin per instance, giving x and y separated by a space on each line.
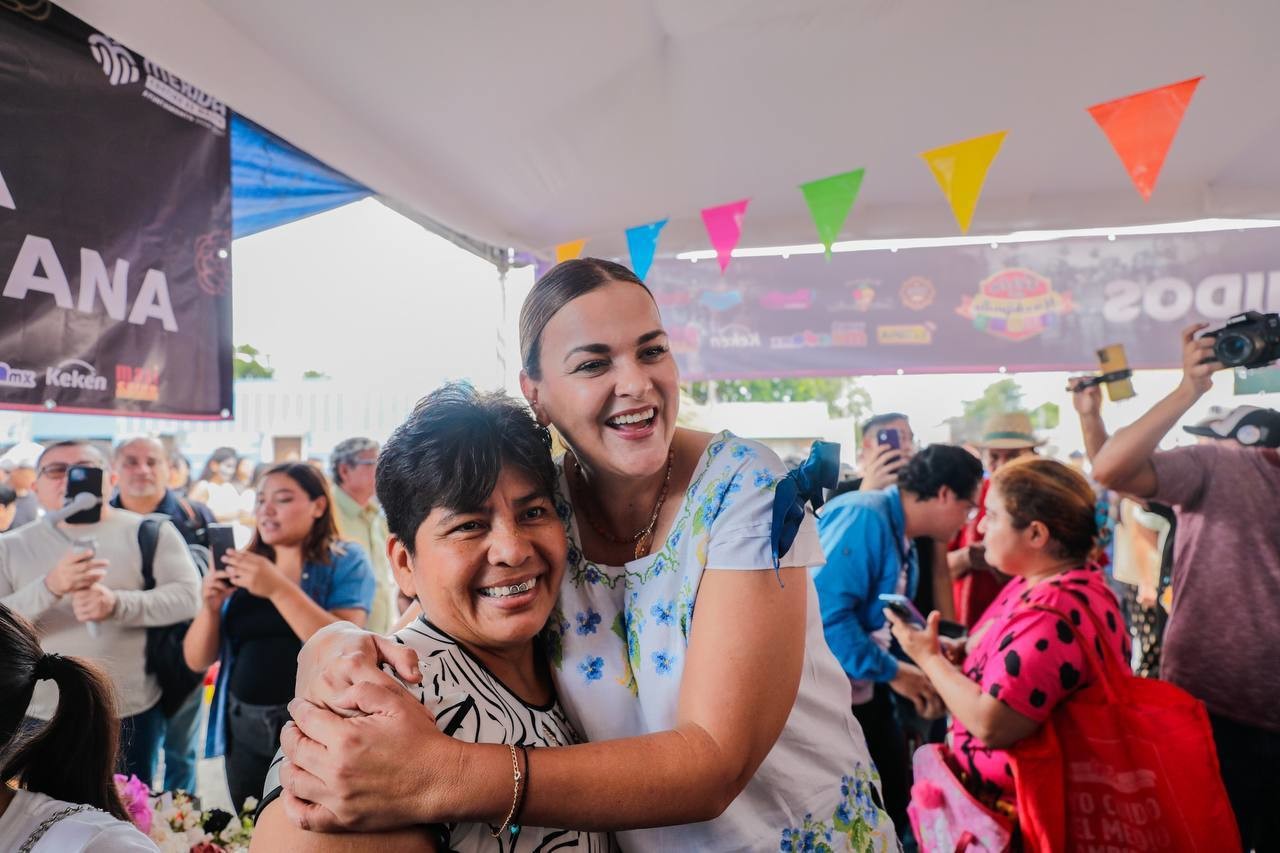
115 227
965 309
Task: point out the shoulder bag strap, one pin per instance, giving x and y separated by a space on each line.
1110 667
148 537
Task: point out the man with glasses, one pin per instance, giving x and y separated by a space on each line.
143 472
360 519
867 537
61 587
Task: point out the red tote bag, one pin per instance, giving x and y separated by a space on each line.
1126 764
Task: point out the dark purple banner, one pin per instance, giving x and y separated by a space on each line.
115 227
963 309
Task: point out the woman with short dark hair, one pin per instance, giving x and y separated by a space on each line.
65 796
294 578
1023 659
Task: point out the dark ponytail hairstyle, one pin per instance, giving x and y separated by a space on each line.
73 756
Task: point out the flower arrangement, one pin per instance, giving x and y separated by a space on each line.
177 824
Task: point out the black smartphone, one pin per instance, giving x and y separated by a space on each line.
87 480
221 540
889 437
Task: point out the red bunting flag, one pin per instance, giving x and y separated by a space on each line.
1141 128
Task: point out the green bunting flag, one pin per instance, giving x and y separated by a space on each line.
830 201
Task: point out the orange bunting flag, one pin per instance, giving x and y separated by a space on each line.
1141 128
571 250
961 169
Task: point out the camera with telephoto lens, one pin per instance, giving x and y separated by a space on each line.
1250 339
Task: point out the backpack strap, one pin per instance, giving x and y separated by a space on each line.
148 538
189 511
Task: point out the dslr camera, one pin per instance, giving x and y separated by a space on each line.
1250 339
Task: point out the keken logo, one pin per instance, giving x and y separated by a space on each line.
116 60
12 377
137 383
74 373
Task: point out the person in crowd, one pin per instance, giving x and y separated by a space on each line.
469 487
741 723
8 507
216 488
360 519
142 466
295 577
1021 662
243 478
1141 542
879 463
22 479
1221 635
868 539
64 797
1005 437
89 601
179 473
6 467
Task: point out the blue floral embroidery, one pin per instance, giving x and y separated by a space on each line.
592 668
572 556
742 451
664 615
592 574
663 662
588 621
764 478
676 536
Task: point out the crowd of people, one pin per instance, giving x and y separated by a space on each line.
460 641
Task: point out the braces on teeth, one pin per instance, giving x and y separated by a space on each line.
504 591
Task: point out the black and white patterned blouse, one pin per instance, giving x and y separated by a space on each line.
469 703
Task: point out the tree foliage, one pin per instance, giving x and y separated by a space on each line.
844 397
250 363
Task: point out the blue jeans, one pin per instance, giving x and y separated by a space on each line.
140 737
181 740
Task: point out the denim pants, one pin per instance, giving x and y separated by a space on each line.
181 740
253 736
140 737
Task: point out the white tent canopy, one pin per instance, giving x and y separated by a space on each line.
529 124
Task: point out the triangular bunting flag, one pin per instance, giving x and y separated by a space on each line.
6 199
830 201
724 227
1141 128
642 243
571 250
961 170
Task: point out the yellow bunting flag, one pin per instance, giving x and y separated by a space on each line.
961 170
569 251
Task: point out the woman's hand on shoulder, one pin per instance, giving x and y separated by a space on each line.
390 767
341 655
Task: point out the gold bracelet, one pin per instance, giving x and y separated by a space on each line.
515 794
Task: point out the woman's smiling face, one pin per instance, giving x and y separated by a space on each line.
488 577
608 381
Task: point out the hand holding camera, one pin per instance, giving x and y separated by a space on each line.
1198 360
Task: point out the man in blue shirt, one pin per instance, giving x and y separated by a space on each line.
867 538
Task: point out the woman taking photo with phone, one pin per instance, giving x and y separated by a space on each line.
718 718
294 578
1022 661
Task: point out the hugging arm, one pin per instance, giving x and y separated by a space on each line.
391 768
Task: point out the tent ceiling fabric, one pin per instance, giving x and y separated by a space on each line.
529 124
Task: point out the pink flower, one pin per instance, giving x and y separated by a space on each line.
137 800
208 847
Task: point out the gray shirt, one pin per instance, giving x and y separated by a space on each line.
27 555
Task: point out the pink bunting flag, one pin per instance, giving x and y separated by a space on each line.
724 227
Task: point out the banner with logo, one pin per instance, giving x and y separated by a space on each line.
115 227
965 309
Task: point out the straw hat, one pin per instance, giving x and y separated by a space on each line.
1010 431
